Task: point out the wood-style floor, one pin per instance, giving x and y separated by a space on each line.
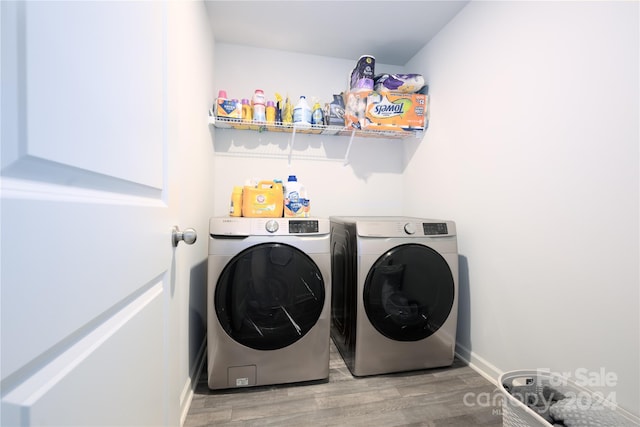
451 396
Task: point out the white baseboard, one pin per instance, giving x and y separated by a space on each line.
478 364
492 373
190 385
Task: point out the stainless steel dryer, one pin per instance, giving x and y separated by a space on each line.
394 293
269 301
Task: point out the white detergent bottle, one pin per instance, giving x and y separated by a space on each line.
293 206
302 113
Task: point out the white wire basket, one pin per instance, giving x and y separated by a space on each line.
577 407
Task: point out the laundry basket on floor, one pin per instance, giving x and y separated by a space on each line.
535 398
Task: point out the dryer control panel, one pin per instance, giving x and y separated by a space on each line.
388 227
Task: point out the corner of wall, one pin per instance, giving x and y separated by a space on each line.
478 364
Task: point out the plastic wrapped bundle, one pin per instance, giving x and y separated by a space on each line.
403 83
361 78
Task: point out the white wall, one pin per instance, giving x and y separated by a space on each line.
533 150
190 61
371 181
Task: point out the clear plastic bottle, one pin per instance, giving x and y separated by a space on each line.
258 101
235 208
287 112
247 112
306 203
302 113
237 113
317 116
270 112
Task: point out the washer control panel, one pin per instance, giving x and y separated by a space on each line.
303 227
434 228
243 227
271 226
410 228
295 226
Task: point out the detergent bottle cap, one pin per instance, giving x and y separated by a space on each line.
292 178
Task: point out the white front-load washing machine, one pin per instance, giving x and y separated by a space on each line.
394 293
269 301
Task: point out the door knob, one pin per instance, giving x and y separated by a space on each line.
188 236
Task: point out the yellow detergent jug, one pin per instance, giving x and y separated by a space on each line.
266 200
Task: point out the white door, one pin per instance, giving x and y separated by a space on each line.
93 142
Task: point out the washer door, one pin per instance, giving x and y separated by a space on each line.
269 296
409 292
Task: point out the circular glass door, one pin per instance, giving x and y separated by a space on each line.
269 296
409 292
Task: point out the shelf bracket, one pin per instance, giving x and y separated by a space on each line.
293 137
346 155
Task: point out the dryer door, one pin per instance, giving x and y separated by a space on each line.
343 286
269 296
409 292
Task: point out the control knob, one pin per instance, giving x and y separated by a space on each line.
409 228
272 226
